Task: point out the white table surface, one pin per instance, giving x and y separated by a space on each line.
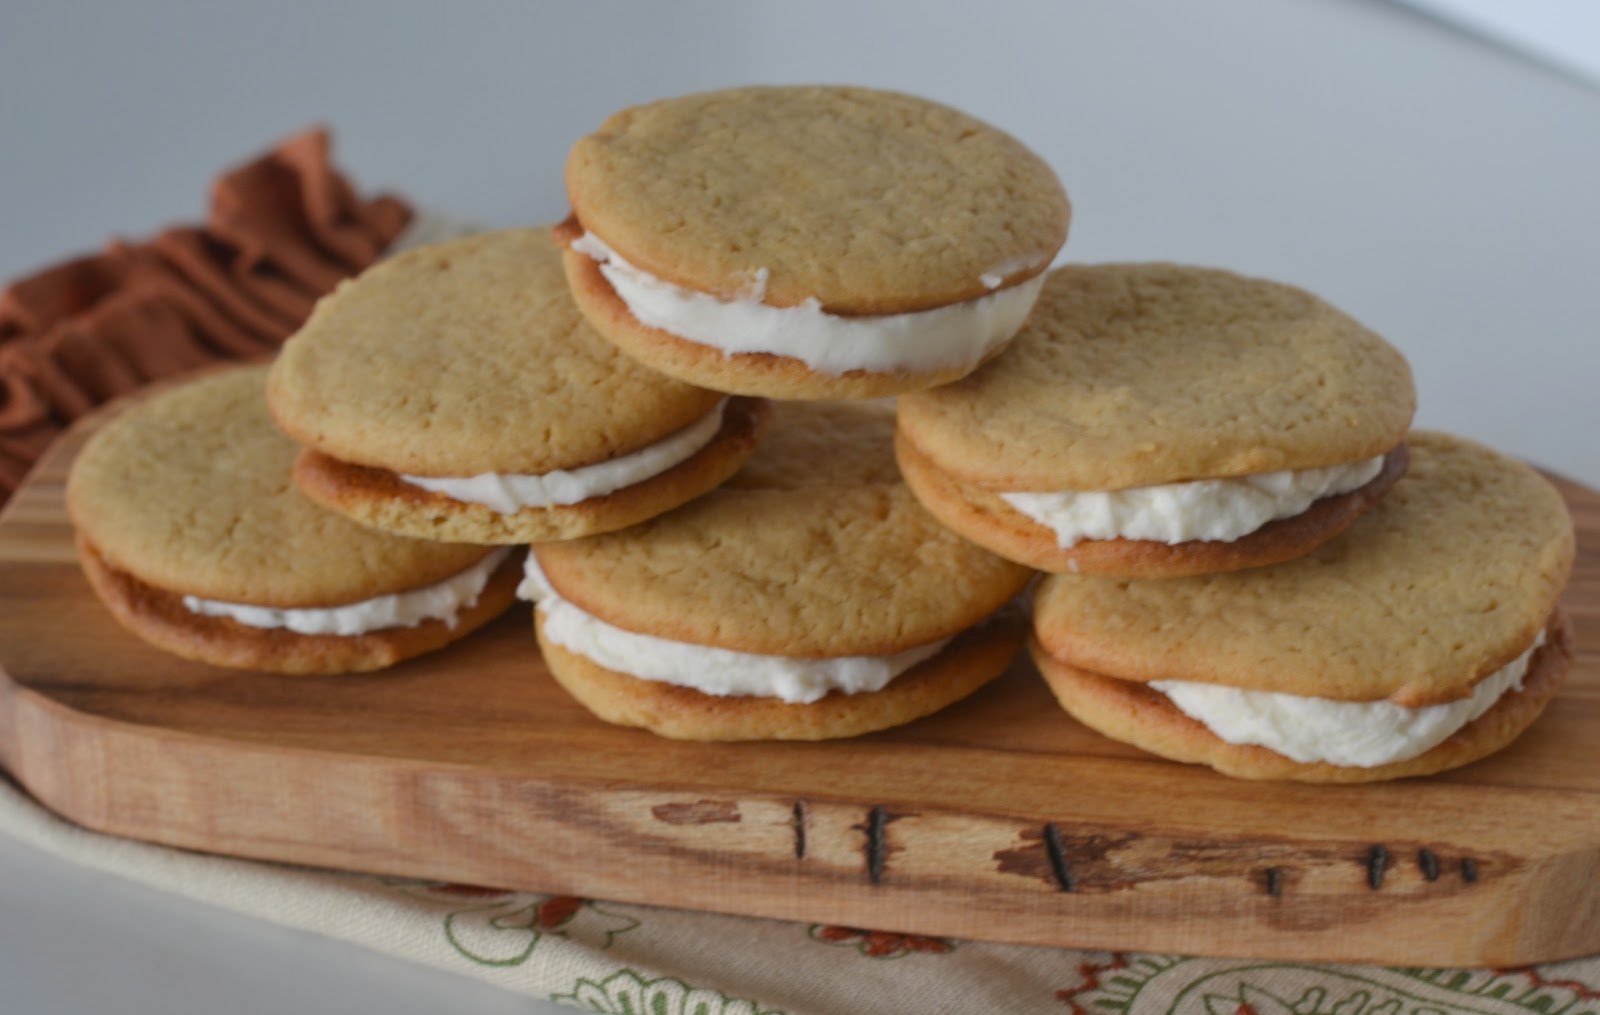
1439 189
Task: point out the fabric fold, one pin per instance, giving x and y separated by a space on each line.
283 228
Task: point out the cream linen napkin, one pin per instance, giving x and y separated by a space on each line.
615 957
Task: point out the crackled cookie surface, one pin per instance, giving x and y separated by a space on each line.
455 392
192 532
810 579
1435 611
808 242
1146 410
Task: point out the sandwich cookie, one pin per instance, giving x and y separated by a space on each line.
192 534
808 242
454 392
808 598
1426 637
1154 420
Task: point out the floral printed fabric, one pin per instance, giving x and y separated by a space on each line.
613 957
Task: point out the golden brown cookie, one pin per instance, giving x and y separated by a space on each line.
1365 656
808 242
193 535
454 392
811 577
1157 420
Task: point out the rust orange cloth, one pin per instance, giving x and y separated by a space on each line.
282 229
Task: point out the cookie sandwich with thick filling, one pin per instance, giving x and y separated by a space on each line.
1153 420
808 242
455 392
810 597
1426 637
193 535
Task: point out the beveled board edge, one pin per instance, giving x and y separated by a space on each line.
893 865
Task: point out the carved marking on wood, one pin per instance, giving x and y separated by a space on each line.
877 847
697 812
1377 866
1274 882
1469 870
799 829
876 850
1428 863
1056 850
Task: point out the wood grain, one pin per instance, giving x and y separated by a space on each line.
999 819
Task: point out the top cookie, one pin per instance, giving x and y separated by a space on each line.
814 549
469 357
190 492
1131 375
1445 581
868 202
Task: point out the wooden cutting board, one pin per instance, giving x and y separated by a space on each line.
1000 819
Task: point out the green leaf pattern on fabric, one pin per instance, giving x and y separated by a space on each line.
1178 986
499 928
504 933
627 993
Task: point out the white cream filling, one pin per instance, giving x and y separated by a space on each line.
439 601
1208 509
509 493
1357 734
958 335
717 671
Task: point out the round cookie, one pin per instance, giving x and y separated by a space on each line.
454 392
1435 599
809 597
1155 420
192 534
808 242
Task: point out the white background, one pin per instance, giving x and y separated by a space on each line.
1440 190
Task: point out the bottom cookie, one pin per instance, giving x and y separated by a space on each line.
1133 713
680 713
160 618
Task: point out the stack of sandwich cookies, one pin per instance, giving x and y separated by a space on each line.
1154 420
810 597
1425 637
454 392
808 242
191 532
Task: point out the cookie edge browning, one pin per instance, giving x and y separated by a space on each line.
746 373
584 160
380 499
1135 714
159 617
983 517
974 658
